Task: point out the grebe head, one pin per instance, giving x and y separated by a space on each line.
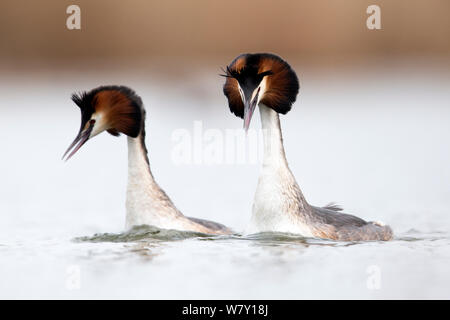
259 78
115 109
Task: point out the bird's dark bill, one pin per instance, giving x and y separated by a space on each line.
249 109
81 139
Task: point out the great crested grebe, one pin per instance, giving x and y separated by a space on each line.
267 81
117 109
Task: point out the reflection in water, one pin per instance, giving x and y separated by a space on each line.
37 244
153 234
146 250
416 235
143 232
275 248
147 262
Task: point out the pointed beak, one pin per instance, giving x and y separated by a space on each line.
81 139
249 108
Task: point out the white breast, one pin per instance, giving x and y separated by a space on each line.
278 199
146 202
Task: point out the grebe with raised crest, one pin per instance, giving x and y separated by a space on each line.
118 109
267 81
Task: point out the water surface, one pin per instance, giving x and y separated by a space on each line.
379 146
147 262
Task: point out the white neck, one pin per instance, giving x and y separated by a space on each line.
146 202
278 202
274 155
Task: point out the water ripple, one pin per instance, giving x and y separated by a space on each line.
151 233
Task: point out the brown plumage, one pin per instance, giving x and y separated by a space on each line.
231 91
119 112
120 107
267 81
248 70
328 223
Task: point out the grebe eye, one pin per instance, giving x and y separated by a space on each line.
91 122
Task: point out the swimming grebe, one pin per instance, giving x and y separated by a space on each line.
268 81
117 109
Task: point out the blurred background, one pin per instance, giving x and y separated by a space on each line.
370 128
191 34
171 52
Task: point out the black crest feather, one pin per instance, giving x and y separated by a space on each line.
127 118
248 70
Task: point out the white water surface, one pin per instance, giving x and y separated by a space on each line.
378 144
